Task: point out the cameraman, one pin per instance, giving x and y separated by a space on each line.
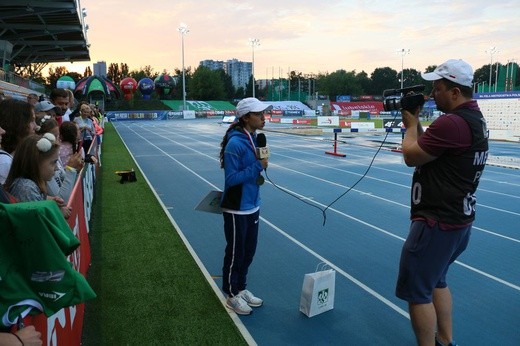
449 158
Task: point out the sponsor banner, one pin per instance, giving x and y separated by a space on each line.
343 98
228 119
362 125
286 121
302 121
275 120
80 258
172 115
204 114
328 121
276 112
393 123
309 113
63 328
498 95
344 123
293 112
369 106
143 115
188 114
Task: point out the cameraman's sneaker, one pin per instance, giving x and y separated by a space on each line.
250 299
238 305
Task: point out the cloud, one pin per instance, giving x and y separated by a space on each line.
305 35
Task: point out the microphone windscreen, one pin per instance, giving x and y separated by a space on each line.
261 141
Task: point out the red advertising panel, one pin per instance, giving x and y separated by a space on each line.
65 327
62 328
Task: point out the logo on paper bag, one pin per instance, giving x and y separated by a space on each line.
323 296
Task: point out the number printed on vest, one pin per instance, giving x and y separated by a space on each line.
416 193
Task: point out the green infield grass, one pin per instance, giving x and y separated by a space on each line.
150 289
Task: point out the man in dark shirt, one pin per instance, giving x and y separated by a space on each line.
60 98
449 158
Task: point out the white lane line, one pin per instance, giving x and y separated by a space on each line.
495 278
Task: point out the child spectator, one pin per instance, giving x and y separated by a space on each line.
33 166
65 176
70 141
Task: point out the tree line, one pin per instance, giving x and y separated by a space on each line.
204 84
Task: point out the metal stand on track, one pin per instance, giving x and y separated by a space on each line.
335 152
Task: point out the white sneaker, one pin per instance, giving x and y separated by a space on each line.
238 305
250 299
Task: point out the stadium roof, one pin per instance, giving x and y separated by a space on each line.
44 31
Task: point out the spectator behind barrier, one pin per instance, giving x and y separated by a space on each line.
95 120
70 107
70 141
86 126
33 166
27 336
4 196
65 176
60 98
45 107
17 120
33 99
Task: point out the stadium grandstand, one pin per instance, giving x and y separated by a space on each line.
34 34
502 113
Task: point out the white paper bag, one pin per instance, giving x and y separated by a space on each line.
318 292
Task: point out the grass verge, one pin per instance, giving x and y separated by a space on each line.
150 290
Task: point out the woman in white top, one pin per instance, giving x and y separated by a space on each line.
86 126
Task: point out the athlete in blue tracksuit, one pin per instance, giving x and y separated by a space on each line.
241 202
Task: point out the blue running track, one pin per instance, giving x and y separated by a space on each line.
361 239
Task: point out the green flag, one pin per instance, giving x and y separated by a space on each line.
35 275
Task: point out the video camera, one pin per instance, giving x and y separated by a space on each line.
397 99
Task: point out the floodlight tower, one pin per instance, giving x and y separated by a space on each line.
402 52
509 80
491 51
254 42
183 29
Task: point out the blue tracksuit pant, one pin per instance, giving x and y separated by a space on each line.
241 233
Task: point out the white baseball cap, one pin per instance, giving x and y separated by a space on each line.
44 106
251 104
457 71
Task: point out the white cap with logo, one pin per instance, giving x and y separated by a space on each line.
251 104
44 106
457 71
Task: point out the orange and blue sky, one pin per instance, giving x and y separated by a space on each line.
306 36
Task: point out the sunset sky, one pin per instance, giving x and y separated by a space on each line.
301 35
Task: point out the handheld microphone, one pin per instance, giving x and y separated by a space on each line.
262 150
